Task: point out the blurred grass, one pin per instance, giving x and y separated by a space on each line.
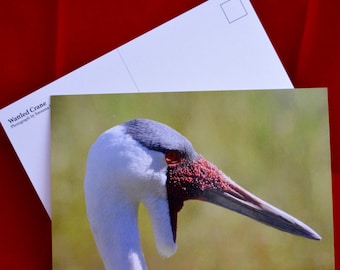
273 143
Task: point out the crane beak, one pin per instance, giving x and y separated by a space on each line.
239 200
203 181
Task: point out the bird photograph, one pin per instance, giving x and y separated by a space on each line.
146 181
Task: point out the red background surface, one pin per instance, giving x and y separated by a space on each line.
43 40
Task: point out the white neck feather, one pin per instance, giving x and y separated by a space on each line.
120 175
117 237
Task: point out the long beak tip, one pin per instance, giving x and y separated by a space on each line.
315 236
304 231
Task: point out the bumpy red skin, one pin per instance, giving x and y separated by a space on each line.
188 180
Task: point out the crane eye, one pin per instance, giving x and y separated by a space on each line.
173 156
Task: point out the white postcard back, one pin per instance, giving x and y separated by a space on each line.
218 45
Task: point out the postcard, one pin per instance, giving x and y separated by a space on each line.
216 45
114 155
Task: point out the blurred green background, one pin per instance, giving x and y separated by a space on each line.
273 143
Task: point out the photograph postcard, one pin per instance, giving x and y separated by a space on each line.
192 180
